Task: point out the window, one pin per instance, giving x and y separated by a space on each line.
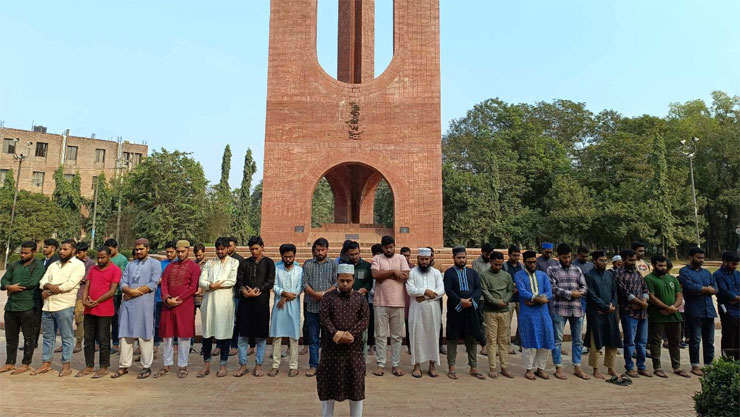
69 177
71 153
41 149
38 179
9 145
137 158
99 156
127 156
3 174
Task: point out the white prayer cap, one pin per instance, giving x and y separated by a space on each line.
425 252
346 269
616 258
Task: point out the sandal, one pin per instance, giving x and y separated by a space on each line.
293 372
682 373
379 372
119 373
416 373
433 375
83 372
397 372
161 372
182 372
144 373
100 374
203 373
65 372
478 375
273 372
493 375
659 373
221 374
582 375
540 373
311 372
529 376
627 379
241 372
257 372
452 375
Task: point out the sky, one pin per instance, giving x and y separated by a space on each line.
192 75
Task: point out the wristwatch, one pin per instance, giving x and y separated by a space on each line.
48 292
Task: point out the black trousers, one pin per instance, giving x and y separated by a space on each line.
371 327
730 335
15 322
672 331
223 346
97 328
36 326
117 306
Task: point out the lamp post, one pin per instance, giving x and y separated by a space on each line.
691 154
18 157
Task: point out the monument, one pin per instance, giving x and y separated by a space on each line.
355 130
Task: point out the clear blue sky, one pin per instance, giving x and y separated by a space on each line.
191 75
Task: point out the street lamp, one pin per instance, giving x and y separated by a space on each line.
687 152
17 157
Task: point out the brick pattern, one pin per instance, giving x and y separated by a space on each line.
306 134
85 163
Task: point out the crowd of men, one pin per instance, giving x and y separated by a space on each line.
117 305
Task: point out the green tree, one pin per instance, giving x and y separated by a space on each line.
36 218
9 183
244 226
256 210
68 198
383 205
322 204
168 193
659 200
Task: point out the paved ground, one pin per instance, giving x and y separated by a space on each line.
50 395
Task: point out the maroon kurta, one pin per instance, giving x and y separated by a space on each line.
341 372
180 279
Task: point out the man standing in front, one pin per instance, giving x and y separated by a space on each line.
601 310
121 262
254 280
81 254
632 293
102 283
344 316
136 316
546 261
217 278
59 291
179 283
51 246
463 289
286 310
21 281
568 287
425 286
698 288
390 272
535 325
728 301
663 315
498 288
319 279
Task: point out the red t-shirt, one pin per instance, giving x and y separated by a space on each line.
99 281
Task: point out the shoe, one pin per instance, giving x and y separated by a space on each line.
683 345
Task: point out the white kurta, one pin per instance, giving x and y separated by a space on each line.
217 308
425 318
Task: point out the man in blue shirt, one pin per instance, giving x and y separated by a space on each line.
728 301
698 288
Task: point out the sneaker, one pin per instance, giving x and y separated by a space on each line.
683 345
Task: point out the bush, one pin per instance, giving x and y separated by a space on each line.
720 389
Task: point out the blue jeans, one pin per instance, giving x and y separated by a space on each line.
635 337
700 330
314 334
244 349
64 320
576 326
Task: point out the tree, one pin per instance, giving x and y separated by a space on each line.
659 200
68 197
106 202
243 226
168 193
383 205
9 183
322 204
223 185
255 219
36 218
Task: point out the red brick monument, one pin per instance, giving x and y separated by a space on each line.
354 130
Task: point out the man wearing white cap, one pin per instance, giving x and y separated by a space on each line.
425 286
344 316
616 262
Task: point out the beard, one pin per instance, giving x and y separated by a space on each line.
424 269
388 256
287 264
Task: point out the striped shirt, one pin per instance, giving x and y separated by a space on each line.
631 285
320 276
462 280
565 280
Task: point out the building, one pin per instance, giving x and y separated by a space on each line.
47 151
355 130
